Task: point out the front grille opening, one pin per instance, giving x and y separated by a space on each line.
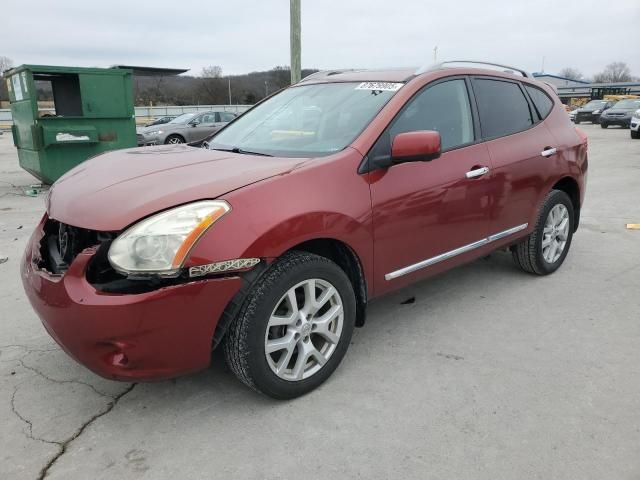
61 244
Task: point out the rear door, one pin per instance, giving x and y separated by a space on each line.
521 150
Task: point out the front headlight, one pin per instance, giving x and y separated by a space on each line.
160 244
595 112
155 132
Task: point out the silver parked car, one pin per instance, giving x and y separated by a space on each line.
186 128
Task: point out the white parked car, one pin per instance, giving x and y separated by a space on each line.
634 126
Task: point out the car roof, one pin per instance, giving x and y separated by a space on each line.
407 73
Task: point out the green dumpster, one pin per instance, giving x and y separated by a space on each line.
92 113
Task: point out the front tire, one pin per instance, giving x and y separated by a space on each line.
635 134
545 249
174 140
604 125
294 328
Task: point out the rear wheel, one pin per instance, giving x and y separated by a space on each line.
294 328
545 249
174 139
635 134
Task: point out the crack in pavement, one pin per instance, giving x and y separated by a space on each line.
28 349
31 349
55 380
26 420
64 445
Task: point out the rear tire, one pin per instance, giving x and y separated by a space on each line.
545 249
635 134
284 350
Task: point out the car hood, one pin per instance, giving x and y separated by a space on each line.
116 189
162 126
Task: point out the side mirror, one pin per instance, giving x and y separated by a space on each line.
420 146
195 123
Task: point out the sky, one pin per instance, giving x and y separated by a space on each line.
251 35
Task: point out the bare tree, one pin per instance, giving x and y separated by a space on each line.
614 72
5 64
212 71
211 86
572 73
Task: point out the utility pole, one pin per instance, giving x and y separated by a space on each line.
229 79
296 72
435 54
266 89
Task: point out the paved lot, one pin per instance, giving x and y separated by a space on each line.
490 374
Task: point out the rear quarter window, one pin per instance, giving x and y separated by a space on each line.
541 101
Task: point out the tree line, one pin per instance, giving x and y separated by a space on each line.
212 87
613 73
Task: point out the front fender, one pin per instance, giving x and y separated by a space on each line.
328 200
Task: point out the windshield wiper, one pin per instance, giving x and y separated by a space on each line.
242 151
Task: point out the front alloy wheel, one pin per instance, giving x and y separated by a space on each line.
174 140
294 327
304 329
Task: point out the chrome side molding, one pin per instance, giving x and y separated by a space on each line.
452 253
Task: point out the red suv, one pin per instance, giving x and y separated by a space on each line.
335 191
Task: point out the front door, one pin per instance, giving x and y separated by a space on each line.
202 126
428 215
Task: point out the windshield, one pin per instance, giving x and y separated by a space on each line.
627 104
595 104
184 118
307 121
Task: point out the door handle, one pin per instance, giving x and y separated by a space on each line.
548 151
477 172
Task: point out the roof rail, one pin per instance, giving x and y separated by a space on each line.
440 65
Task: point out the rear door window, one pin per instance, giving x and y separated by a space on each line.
502 107
541 101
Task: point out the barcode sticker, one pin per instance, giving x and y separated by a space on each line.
382 86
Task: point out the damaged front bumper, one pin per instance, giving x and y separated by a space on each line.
155 334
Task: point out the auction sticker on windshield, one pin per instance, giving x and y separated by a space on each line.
385 86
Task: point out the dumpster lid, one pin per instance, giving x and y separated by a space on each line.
114 70
151 71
